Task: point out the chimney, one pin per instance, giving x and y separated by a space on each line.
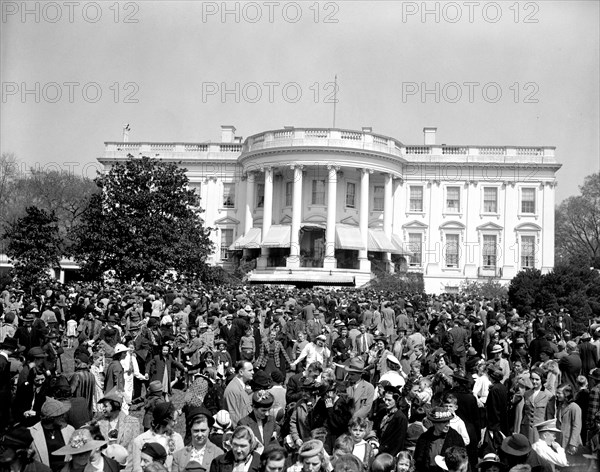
429 136
367 129
227 133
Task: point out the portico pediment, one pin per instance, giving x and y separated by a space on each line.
528 227
414 225
315 219
350 220
452 225
286 220
228 220
489 227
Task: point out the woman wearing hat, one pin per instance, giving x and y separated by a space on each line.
491 463
161 368
51 433
84 453
115 375
311 458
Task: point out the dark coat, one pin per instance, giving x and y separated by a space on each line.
589 357
497 407
269 429
225 463
156 368
570 366
392 438
423 447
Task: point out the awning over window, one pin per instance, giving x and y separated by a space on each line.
379 242
250 240
314 278
402 248
277 236
348 237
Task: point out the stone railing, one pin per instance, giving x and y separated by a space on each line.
116 150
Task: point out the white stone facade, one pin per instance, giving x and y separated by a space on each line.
325 206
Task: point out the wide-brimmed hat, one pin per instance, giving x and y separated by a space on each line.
321 337
262 399
155 386
223 419
355 365
155 450
203 325
218 342
261 381
439 415
119 348
18 438
11 344
595 373
81 441
549 425
117 453
380 338
114 395
53 408
393 359
586 336
489 459
516 445
496 348
310 448
36 353
525 381
461 376
163 411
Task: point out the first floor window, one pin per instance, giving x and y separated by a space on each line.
490 200
489 251
226 241
528 200
528 251
260 195
229 195
289 193
351 195
416 198
415 245
452 250
318 192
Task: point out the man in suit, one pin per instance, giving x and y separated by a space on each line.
570 365
26 335
201 450
359 389
236 398
231 335
457 340
363 341
261 423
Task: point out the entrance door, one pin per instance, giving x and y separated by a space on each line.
312 246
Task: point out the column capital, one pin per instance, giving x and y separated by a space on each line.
266 168
297 166
364 171
332 166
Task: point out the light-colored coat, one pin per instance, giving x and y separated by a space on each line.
237 400
128 427
569 422
542 409
363 394
182 457
39 442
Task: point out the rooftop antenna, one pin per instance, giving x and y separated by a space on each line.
334 98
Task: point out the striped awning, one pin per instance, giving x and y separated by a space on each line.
402 247
277 236
314 278
379 242
250 240
348 237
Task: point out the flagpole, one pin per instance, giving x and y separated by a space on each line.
334 98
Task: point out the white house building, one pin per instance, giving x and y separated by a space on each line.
319 206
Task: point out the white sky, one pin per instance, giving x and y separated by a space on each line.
177 50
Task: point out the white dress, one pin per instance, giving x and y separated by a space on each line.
131 370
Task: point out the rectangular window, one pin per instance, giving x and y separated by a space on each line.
228 195
260 195
489 251
490 200
416 198
378 198
528 251
453 199
452 250
289 194
318 192
415 245
528 200
350 195
226 241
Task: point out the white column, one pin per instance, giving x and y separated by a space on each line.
248 220
267 216
388 211
293 261
330 262
364 263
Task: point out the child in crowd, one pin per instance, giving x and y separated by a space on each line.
359 428
425 391
71 332
154 396
222 358
248 345
457 424
97 370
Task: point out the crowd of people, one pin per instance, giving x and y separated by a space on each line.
271 378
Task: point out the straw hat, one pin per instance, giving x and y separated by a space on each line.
81 441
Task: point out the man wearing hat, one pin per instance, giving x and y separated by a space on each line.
84 452
260 421
51 433
115 374
115 425
314 352
436 440
516 449
594 401
25 334
570 365
201 449
232 335
547 447
359 388
588 354
15 452
36 356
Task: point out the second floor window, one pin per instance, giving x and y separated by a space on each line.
490 200
318 192
528 252
416 198
489 251
452 250
228 195
415 245
351 195
226 241
528 200
453 198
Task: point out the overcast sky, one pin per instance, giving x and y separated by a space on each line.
509 73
